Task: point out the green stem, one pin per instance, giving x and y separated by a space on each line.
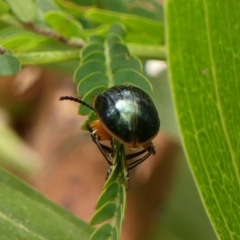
37 58
148 51
121 172
107 64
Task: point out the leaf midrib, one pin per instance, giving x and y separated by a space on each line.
218 104
20 226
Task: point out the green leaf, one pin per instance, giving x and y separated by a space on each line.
9 64
91 117
118 6
17 40
133 37
133 23
89 98
118 48
126 61
115 233
143 12
148 9
96 38
94 55
91 81
74 7
119 168
88 68
93 46
25 10
203 56
47 5
26 214
113 39
121 208
118 29
112 202
104 232
63 24
104 213
133 77
4 8
109 194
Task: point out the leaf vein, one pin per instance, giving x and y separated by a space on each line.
20 226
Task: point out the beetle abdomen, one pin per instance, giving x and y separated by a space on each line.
128 114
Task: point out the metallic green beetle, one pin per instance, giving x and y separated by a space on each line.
125 113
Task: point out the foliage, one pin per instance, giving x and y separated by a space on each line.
103 38
98 39
112 202
204 74
30 37
22 210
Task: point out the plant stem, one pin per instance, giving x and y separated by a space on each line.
37 58
148 51
44 57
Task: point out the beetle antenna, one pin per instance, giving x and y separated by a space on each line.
76 100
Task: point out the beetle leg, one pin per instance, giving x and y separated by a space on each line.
109 171
127 183
102 149
106 148
151 150
133 155
150 147
137 162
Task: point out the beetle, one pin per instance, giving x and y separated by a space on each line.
125 113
